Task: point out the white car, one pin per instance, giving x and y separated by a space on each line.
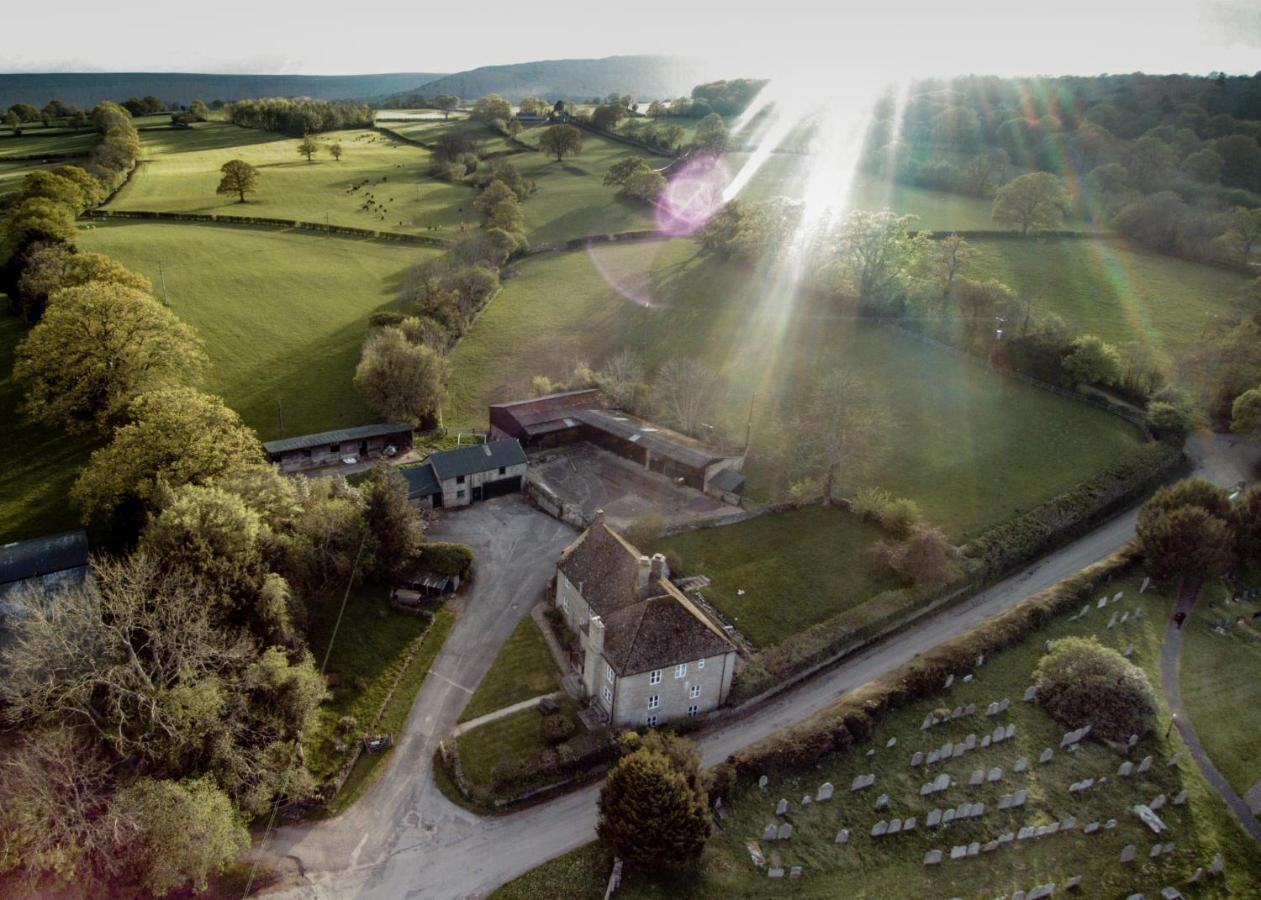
391 450
349 460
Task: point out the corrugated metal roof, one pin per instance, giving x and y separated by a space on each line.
43 556
358 433
477 458
529 414
628 428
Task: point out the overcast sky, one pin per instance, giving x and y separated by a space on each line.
884 38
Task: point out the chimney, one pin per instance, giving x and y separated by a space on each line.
645 571
660 568
594 655
598 518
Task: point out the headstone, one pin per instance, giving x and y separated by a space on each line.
946 749
1110 824
1217 866
891 743
775 873
785 832
805 800
895 825
929 722
1020 766
1000 734
1129 650
1030 693
842 836
963 811
1046 755
1125 617
958 851
970 742
781 808
1145 764
1006 837
1010 731
978 809
1025 833
1158 803
1053 828
794 872
909 823
967 679
978 777
1196 875
985 741
1018 799
1132 742
1068 824
1073 883
942 782
980 660
1046 646
1091 828
995 774
1138 614
970 709
974 848
763 782
1042 831
1112 622
1169 848
1119 595
1142 588
871 753
1180 798
932 858
917 759
989 846
1175 759
880 828
960 749
1129 853
1103 601
950 679
862 781
933 757
1155 851
1004 802
825 791
947 817
771 832
934 818
882 802
755 854
1126 770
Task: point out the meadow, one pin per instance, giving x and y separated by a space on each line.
892 866
971 447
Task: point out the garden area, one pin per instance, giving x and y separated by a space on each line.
523 669
1033 809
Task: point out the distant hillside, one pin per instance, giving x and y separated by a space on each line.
646 77
86 89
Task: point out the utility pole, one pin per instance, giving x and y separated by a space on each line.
748 428
162 278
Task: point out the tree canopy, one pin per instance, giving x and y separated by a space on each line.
561 141
1035 201
239 178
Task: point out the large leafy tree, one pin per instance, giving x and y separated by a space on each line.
561 141
491 107
653 808
838 435
446 103
97 347
1185 542
871 254
1081 682
239 178
172 437
1031 202
37 219
393 523
48 268
400 380
1091 360
711 134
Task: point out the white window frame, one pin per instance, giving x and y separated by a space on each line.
607 693
680 671
694 709
608 673
700 664
694 691
651 721
654 677
654 701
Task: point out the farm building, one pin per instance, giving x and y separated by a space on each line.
52 563
542 421
648 654
329 448
468 474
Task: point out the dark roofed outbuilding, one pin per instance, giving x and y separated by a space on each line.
542 421
42 557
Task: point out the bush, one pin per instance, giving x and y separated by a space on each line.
1081 682
923 557
557 728
894 514
445 558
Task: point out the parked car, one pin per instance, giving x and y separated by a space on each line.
349 460
391 450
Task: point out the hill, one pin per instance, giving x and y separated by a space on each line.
86 89
568 79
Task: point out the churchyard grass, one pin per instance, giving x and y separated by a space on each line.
523 669
817 559
971 447
893 865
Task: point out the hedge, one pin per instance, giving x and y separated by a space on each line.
265 221
446 558
579 756
853 718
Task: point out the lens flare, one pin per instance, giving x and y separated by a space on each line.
692 196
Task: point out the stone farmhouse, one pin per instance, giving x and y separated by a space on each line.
648 654
467 474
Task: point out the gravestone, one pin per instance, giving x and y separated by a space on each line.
1004 802
1155 851
970 709
960 749
1125 617
933 757
1018 799
1158 803
999 735
862 781
771 832
1119 595
929 722
1168 848
895 825
992 709
958 711
978 776
1020 766
1091 828
880 828
785 832
1112 622
1129 853
1103 601
1046 755
1053 828
891 743
763 782
989 846
781 808
1142 588
917 759
842 836
1046 646
1073 883
942 782
950 679
1180 798
909 823
967 679
947 817
794 872
985 742
934 818
1010 731
1110 824
1145 764
958 851
775 873
1068 824
970 742
932 858
1126 770
882 802
946 749
980 660
1217 866
995 774
974 848
1041 831
1196 875
825 791
1006 837
978 809
1025 833
1138 614
1129 650
1030 694
805 800
1175 759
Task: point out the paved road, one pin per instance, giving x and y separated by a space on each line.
404 839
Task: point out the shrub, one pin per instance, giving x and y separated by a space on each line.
445 558
924 556
894 514
557 728
1081 682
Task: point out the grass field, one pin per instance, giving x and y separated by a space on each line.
779 574
1221 684
972 448
523 669
12 172
892 867
515 737
1116 290
283 313
59 141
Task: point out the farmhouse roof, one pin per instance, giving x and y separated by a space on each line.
42 556
421 480
728 480
540 415
659 441
358 433
477 458
604 567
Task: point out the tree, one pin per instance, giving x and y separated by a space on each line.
37 219
607 116
1191 492
1204 166
308 147
622 380
1248 523
653 811
498 203
394 524
1243 235
1245 413
399 380
1033 201
656 109
1241 160
335 150
952 254
239 178
57 188
872 253
48 268
1185 542
446 103
838 430
11 119
491 107
173 436
176 834
1080 682
711 134
682 392
97 347
561 141
1091 360
924 556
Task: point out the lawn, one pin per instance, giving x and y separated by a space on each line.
971 447
1221 684
370 649
40 463
893 866
515 737
37 141
1116 290
180 171
800 567
523 669
283 313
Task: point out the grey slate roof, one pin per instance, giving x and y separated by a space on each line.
673 447
604 568
657 633
477 458
42 556
421 481
358 433
728 480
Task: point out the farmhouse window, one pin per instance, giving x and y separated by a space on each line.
652 722
655 677
608 695
608 673
654 701
459 479
694 691
680 670
693 710
503 470
700 664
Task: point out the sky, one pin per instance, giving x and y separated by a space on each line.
774 38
